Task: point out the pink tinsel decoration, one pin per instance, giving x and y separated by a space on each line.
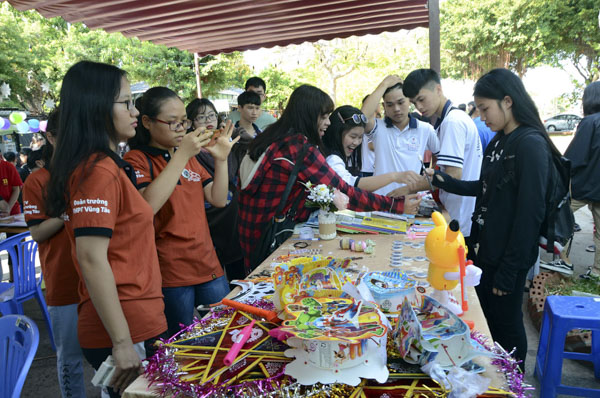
506 364
163 372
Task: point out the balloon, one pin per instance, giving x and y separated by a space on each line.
15 117
43 125
34 129
23 115
34 124
22 127
4 123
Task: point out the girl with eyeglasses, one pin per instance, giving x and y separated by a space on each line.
271 156
109 224
341 143
222 221
170 178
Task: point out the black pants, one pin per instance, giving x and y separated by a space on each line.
504 314
95 356
235 270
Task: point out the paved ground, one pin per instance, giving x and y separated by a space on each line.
42 380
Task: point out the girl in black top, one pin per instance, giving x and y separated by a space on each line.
510 207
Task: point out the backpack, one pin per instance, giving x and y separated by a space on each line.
559 221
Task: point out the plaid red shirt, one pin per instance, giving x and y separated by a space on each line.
259 200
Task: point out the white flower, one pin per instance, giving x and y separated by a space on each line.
5 90
49 103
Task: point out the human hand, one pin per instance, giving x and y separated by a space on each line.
411 204
340 199
410 178
192 143
223 144
4 207
498 292
399 192
432 175
128 366
391 80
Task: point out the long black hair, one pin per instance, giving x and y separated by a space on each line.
301 115
591 99
199 104
150 105
499 83
341 122
86 126
52 128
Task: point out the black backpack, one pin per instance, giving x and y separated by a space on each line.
559 220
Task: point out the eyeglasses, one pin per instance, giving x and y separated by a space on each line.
206 118
357 118
174 126
128 103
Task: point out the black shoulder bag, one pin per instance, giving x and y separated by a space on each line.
281 226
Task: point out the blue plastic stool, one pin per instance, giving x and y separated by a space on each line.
562 314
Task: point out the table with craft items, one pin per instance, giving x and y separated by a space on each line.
379 260
13 224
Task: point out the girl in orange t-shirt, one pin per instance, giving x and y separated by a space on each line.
174 183
108 222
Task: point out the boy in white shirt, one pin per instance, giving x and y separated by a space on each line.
460 152
400 140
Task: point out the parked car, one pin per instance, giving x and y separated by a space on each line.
562 122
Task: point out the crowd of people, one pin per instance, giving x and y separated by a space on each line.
131 245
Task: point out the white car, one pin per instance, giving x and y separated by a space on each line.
562 122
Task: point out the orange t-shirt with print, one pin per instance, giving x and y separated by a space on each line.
104 202
55 252
185 249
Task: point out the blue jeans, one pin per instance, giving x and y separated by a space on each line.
181 301
69 359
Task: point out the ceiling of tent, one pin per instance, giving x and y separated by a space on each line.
211 27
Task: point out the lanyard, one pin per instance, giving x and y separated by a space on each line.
444 114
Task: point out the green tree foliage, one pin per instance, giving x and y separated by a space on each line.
28 61
36 50
349 69
479 35
570 32
280 85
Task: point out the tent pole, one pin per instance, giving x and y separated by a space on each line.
197 73
434 35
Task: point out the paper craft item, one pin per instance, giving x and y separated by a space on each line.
309 277
333 319
253 291
335 340
390 288
201 357
431 332
337 362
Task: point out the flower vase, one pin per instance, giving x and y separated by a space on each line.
327 225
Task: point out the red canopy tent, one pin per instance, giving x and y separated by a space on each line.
211 27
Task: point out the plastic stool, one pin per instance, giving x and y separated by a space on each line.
562 314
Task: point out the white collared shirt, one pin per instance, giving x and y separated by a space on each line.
460 146
399 150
